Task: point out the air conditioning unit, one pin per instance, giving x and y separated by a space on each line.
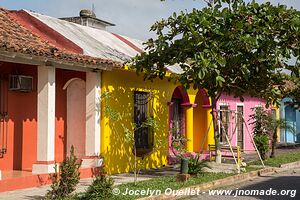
20 83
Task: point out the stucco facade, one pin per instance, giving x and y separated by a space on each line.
292 116
236 106
66 106
121 84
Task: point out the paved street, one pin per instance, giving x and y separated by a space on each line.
289 180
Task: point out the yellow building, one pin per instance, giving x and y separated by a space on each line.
131 100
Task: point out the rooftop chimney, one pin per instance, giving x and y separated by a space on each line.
88 18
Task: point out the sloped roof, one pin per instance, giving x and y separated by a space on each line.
90 41
14 38
94 42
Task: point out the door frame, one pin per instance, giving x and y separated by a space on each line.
243 143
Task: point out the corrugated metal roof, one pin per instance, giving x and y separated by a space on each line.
98 43
94 42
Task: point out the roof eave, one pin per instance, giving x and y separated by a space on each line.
14 57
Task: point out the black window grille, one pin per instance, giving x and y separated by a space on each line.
177 119
143 135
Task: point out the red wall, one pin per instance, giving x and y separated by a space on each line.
22 124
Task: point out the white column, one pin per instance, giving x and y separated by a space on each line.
46 120
93 107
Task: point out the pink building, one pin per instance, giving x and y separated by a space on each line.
235 116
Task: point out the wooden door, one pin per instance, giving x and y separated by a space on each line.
240 127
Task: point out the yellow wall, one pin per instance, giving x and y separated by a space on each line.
121 84
201 123
203 129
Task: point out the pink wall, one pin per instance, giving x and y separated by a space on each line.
249 102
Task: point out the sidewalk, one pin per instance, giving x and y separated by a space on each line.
39 192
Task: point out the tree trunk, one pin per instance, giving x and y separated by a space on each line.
135 168
274 142
214 113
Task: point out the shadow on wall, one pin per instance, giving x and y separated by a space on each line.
22 119
118 155
202 125
62 76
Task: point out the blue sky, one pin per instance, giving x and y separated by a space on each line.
132 17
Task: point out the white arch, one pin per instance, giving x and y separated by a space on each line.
76 116
70 81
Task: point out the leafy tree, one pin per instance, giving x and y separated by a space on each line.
265 129
261 133
228 47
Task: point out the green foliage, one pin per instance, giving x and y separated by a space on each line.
262 143
229 46
196 165
116 116
280 159
126 135
179 145
265 123
101 188
260 131
64 182
162 183
260 121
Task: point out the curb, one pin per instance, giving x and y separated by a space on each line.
209 185
290 165
229 180
267 171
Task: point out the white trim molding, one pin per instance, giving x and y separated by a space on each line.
93 110
46 120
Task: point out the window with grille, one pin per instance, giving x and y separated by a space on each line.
177 115
143 135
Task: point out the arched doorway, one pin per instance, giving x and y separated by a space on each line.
202 123
177 124
76 98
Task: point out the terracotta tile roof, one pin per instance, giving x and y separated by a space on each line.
16 38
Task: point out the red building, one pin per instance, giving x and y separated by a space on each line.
41 88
